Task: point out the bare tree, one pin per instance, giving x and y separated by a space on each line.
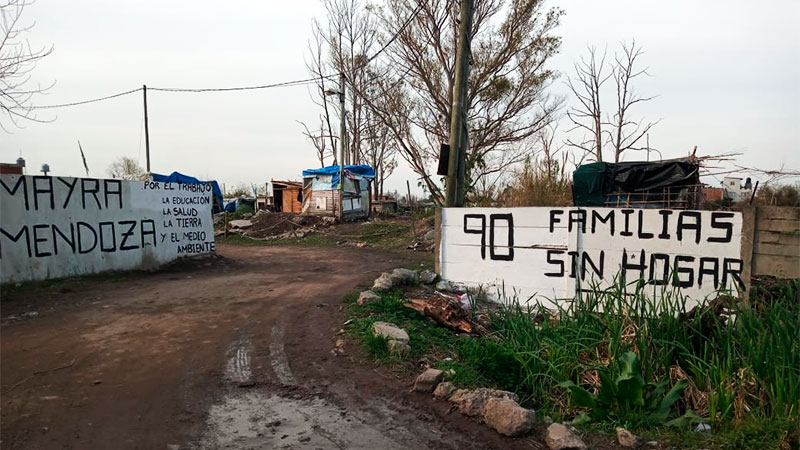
18 59
126 168
625 134
319 68
619 130
319 141
507 103
587 116
379 150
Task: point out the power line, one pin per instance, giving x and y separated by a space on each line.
241 88
400 30
84 102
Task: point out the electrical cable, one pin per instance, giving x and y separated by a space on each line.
241 88
84 102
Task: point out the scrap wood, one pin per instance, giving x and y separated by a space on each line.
446 312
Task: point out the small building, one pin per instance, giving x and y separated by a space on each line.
384 204
287 196
11 169
321 196
734 190
670 184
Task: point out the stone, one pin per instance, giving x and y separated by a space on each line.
368 297
702 428
444 286
626 438
428 276
444 390
383 283
427 380
430 236
507 417
390 331
398 347
240 223
471 403
405 276
559 437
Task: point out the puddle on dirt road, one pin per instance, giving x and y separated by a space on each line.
246 420
257 418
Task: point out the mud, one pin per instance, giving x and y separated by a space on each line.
232 353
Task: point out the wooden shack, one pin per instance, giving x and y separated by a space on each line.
288 196
321 193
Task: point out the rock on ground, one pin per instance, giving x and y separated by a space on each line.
472 403
428 276
405 276
507 417
626 438
368 297
427 380
444 286
390 331
430 236
398 347
559 437
240 223
444 390
383 283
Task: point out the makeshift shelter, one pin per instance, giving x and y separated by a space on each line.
288 196
177 177
321 196
673 184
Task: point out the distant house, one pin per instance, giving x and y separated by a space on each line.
287 196
11 169
734 190
321 191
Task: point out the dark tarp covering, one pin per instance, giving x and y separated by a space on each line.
177 177
593 182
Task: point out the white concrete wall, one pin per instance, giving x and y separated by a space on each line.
54 227
550 253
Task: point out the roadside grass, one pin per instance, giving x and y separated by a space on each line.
741 362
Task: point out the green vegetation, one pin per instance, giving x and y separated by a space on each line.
625 360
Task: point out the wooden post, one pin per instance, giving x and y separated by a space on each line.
749 217
437 241
226 224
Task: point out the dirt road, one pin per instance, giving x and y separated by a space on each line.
230 353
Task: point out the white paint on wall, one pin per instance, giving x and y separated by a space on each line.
54 227
548 254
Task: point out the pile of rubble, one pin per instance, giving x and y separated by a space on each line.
267 225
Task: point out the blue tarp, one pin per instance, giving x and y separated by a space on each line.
177 177
358 172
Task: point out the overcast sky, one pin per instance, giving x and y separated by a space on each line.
726 73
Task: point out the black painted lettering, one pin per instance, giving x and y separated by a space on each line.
510 244
708 266
573 264
37 240
69 240
641 233
628 263
16 238
577 216
127 234
554 219
480 230
48 189
689 220
664 276
94 191
103 239
108 192
735 273
557 262
665 213
71 189
627 231
677 281
608 219
598 270
150 232
81 247
718 222
20 182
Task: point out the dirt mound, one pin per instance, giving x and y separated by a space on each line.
275 224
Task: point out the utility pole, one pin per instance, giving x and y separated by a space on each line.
342 144
456 168
146 130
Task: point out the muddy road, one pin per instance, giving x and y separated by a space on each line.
228 353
